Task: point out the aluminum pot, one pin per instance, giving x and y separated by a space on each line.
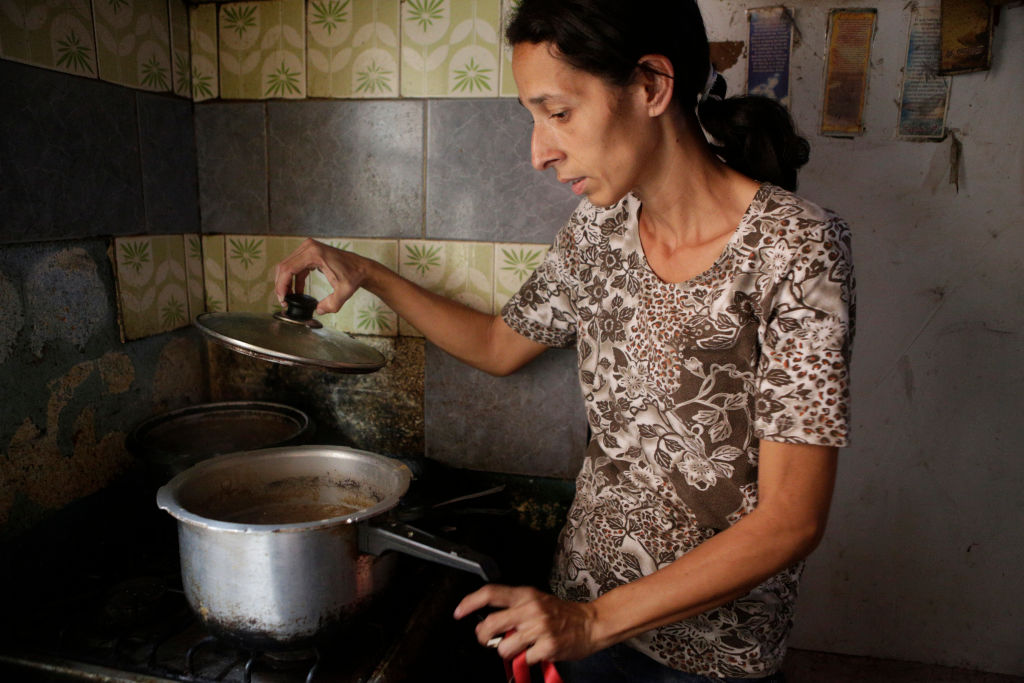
279 545
171 442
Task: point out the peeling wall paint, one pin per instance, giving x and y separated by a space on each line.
35 464
725 54
64 299
117 372
71 390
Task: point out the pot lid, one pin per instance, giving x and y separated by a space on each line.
290 337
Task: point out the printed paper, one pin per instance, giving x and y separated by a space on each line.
846 71
770 43
966 36
925 94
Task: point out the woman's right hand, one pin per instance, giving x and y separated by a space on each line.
344 271
480 339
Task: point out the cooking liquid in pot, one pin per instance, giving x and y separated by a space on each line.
288 513
292 500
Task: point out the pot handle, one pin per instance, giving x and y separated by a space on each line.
377 537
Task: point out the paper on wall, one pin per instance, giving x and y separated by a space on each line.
769 47
846 71
966 36
925 94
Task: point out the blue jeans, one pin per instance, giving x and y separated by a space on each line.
622 664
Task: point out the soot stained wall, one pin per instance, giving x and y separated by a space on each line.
82 160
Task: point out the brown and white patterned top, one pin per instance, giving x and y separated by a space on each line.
680 382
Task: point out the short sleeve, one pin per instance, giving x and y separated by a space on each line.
803 375
542 309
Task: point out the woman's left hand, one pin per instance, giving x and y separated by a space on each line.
548 629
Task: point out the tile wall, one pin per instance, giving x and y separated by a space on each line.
200 196
290 49
442 191
166 280
281 49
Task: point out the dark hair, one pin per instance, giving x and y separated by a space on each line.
754 135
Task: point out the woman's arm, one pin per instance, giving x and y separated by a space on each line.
795 485
479 339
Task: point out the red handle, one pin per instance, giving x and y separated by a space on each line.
521 670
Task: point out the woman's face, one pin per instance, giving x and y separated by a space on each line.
596 136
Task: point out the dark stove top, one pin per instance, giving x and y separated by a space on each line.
95 593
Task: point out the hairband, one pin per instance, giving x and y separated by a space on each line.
709 86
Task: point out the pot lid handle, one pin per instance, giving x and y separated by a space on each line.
299 309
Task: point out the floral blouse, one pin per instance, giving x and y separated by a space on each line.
680 382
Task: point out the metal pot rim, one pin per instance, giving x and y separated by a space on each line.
139 439
167 497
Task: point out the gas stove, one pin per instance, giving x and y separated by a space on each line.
95 593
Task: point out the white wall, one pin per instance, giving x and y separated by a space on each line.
924 557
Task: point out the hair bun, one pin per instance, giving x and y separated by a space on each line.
755 135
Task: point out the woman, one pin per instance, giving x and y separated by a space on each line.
711 310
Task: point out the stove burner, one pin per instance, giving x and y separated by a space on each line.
190 655
307 660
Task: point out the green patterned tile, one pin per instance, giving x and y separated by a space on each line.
202 27
513 263
250 270
133 43
458 270
193 246
263 50
508 83
352 48
450 48
215 284
245 272
151 284
181 71
55 36
363 313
